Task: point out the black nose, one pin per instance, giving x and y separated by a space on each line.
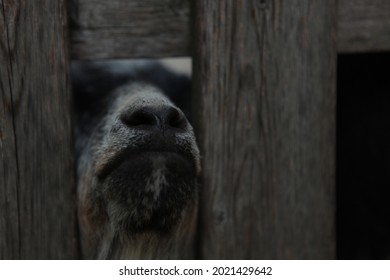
161 117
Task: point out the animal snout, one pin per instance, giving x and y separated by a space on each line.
164 118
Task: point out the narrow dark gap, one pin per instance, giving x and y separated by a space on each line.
363 156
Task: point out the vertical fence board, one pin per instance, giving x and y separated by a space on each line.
9 223
265 81
36 149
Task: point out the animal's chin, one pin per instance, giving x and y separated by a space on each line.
150 190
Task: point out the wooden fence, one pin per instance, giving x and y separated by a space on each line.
265 98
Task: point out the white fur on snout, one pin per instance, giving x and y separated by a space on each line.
157 180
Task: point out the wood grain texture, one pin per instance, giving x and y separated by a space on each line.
118 28
155 28
265 103
37 200
9 217
363 25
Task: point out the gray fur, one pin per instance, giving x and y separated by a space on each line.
137 191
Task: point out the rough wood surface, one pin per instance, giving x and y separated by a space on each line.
363 25
155 28
37 202
265 98
9 217
118 28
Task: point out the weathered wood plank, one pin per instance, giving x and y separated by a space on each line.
36 144
9 223
265 98
363 25
115 29
154 28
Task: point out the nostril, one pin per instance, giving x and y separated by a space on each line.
175 119
162 117
139 118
